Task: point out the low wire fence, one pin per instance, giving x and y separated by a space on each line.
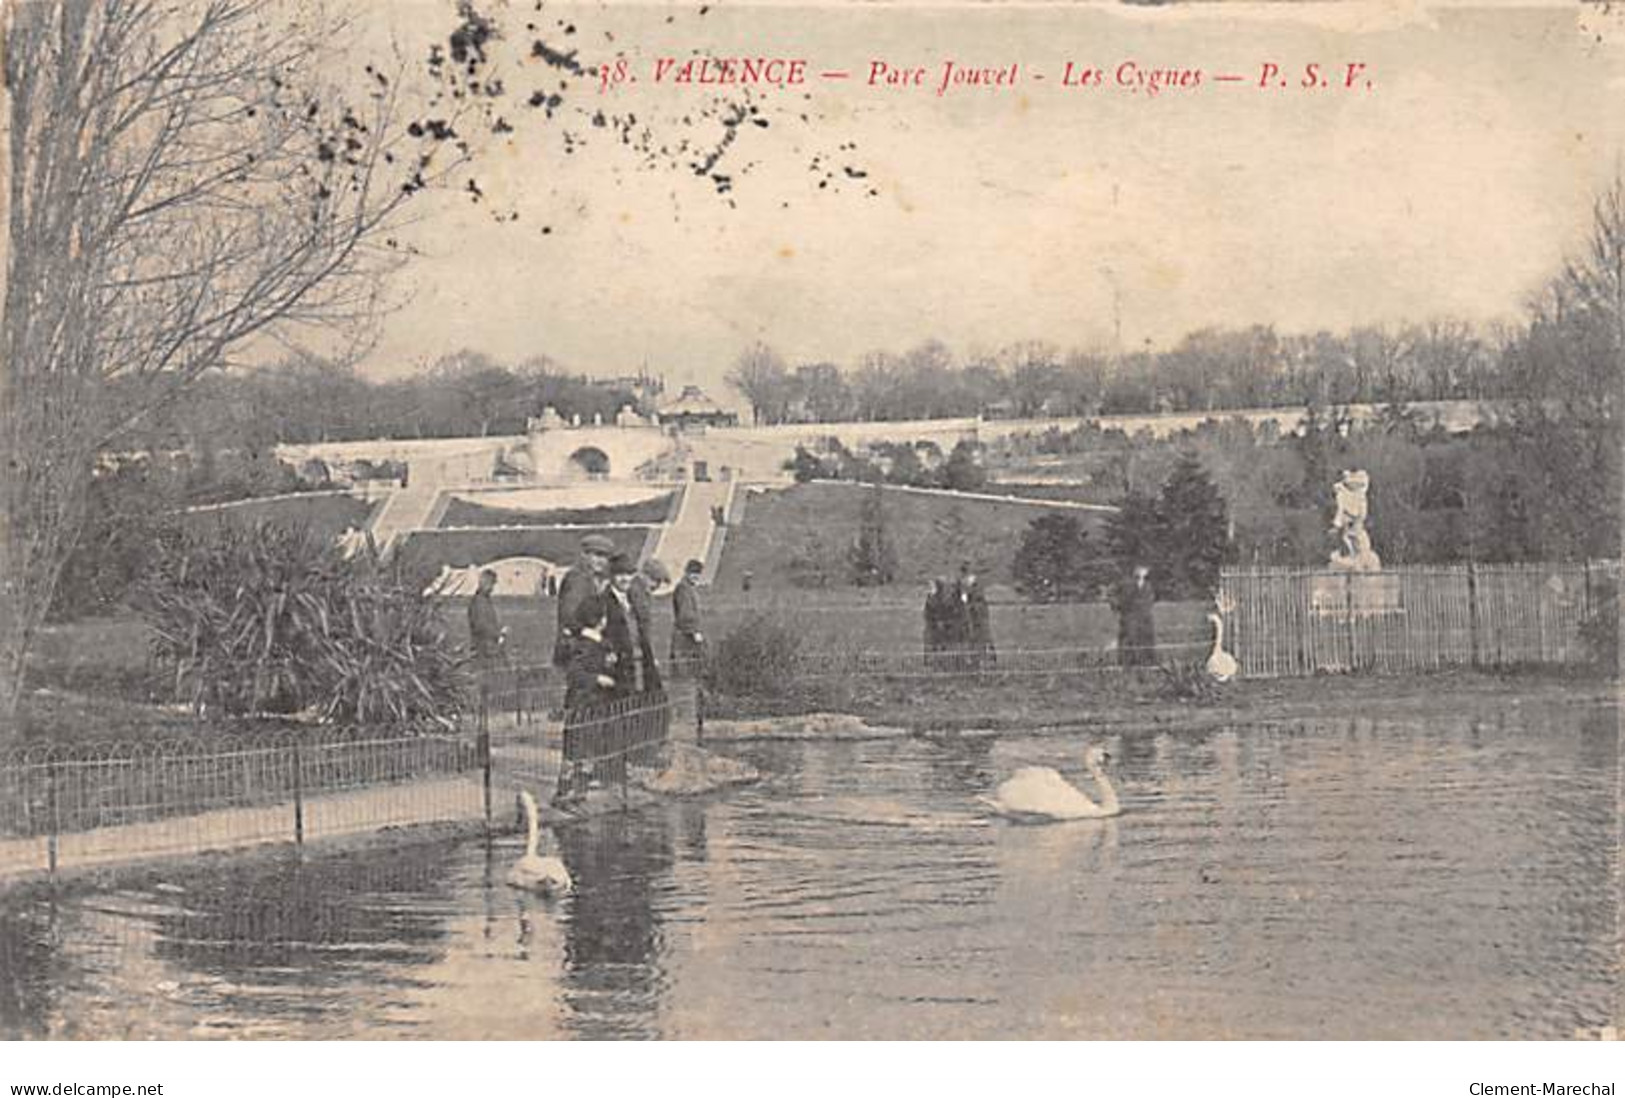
538 743
80 787
1297 621
90 804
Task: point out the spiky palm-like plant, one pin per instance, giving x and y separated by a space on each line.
273 619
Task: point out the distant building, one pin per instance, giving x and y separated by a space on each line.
694 409
645 388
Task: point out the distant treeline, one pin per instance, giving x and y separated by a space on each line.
1213 368
309 400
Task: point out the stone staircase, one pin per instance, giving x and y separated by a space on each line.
407 509
688 537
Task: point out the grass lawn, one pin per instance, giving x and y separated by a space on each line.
847 620
463 512
791 532
328 514
90 679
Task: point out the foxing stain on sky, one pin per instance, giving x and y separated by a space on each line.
1446 176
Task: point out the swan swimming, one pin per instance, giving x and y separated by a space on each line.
1037 793
533 872
1220 664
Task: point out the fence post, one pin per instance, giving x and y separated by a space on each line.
625 736
1348 610
1472 612
51 812
484 745
298 796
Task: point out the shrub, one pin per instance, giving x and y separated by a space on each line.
1189 681
1193 523
873 558
962 472
758 657
1053 560
130 509
274 619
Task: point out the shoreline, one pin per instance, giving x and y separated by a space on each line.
991 708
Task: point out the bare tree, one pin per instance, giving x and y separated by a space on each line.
182 184
760 374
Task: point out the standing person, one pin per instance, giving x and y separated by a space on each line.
978 627
1134 601
627 630
934 603
580 652
687 635
581 596
589 684
485 632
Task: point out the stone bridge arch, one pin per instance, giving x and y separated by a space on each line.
591 461
607 452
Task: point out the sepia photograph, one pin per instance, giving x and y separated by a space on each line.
532 520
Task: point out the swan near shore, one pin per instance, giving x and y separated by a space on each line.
532 872
1221 665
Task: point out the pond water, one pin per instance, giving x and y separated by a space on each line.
1339 879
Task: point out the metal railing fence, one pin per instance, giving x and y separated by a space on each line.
1302 621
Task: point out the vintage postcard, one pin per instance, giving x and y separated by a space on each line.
722 520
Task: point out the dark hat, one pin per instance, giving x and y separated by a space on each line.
693 568
622 564
597 543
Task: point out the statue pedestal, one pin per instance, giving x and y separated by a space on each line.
1363 561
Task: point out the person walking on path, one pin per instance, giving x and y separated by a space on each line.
1134 601
688 634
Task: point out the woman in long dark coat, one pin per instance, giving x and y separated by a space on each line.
939 612
1134 601
978 627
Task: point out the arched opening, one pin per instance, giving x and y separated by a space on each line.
592 461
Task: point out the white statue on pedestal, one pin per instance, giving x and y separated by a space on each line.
1355 553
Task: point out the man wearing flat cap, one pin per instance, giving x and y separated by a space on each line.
582 595
687 635
627 632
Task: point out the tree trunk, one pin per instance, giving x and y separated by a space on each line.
10 588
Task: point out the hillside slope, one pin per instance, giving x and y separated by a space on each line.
793 535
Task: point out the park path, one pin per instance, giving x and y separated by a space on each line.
336 815
689 536
407 509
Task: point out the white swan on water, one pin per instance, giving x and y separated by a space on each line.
1220 664
533 872
1037 793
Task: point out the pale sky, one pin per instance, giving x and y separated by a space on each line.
1452 186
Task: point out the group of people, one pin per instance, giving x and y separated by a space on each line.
959 637
604 643
958 632
604 646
